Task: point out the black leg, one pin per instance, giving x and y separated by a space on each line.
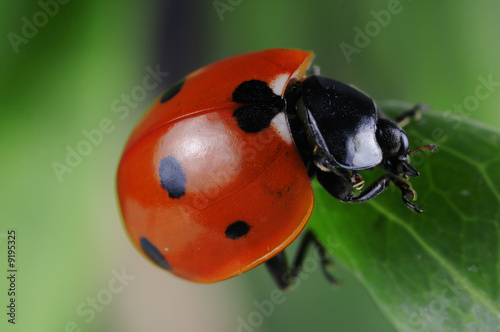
407 192
285 276
340 188
308 239
403 119
279 270
336 184
372 191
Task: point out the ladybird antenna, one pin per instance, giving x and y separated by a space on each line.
430 147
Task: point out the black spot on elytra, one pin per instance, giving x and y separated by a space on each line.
256 117
172 177
172 91
263 105
154 254
254 91
237 230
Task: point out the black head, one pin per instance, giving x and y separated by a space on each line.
395 148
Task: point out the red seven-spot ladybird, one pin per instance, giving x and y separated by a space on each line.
215 178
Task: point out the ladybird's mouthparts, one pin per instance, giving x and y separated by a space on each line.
409 170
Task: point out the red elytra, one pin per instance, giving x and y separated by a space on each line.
200 196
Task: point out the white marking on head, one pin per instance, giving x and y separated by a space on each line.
367 152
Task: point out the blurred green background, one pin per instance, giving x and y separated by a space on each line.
65 68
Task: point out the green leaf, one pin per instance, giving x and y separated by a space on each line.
439 270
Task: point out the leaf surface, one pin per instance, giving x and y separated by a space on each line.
439 270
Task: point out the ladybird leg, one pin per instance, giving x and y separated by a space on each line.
407 192
279 270
285 276
381 184
413 113
336 184
377 187
325 260
404 118
341 187
372 191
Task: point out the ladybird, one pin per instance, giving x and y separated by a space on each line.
216 177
